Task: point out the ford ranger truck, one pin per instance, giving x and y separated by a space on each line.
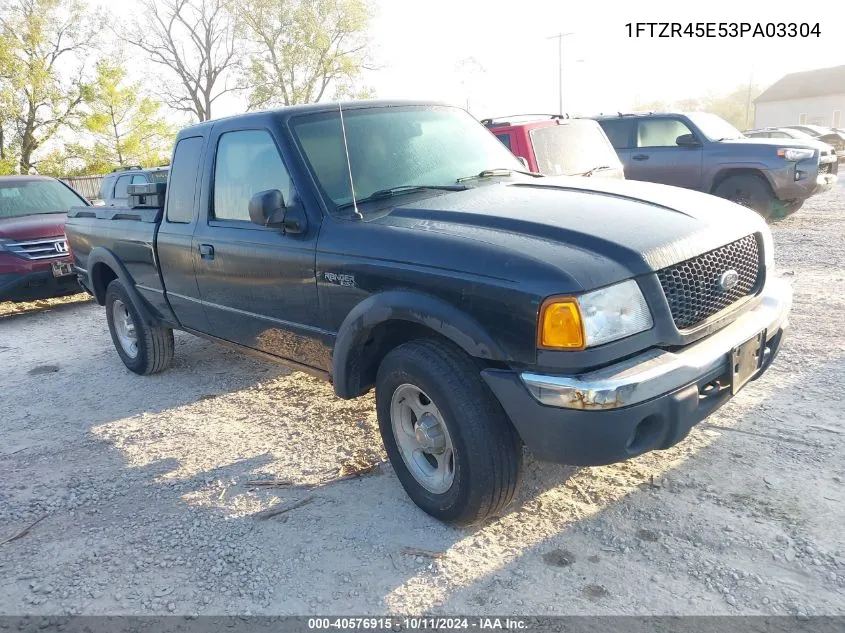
397 246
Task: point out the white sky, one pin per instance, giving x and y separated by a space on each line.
419 43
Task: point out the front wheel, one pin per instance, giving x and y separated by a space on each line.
749 191
449 441
145 349
788 209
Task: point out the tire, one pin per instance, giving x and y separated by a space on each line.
788 209
486 452
153 345
749 191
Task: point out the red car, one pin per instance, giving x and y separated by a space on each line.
557 145
35 262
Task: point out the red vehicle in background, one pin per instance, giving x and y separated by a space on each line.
35 261
556 145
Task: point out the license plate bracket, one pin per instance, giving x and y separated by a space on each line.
61 269
746 359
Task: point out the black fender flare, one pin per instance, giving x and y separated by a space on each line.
739 169
103 256
414 307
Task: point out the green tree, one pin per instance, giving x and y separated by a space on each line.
42 63
301 48
736 107
126 128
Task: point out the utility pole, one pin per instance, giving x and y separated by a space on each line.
748 97
559 38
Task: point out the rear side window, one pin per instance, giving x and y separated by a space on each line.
618 131
139 180
182 186
248 163
121 188
106 187
660 132
506 140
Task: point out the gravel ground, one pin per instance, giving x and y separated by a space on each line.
141 487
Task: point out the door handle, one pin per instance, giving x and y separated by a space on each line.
206 251
640 156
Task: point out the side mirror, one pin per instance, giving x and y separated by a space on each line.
267 208
524 162
687 140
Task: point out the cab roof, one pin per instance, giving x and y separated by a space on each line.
288 112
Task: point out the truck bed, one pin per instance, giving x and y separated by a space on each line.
129 234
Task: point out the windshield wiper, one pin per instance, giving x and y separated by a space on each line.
402 189
590 172
497 171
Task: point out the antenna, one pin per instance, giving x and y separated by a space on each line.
355 210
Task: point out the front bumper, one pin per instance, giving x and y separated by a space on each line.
36 285
644 403
812 181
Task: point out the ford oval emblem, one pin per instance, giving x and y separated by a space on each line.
728 280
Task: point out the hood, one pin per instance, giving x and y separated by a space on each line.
774 142
787 142
33 227
588 232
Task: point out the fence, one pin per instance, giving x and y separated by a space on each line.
86 186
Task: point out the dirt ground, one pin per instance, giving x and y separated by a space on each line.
141 487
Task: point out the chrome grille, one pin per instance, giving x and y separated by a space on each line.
46 248
693 288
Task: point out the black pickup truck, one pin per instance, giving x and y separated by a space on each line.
397 246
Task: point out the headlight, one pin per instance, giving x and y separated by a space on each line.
793 154
594 318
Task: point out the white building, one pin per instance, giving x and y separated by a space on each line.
814 97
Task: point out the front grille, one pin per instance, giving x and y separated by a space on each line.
47 248
693 287
829 168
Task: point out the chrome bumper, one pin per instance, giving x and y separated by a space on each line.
657 372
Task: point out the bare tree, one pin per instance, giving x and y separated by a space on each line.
302 47
197 41
468 69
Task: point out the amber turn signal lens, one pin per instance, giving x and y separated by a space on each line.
560 325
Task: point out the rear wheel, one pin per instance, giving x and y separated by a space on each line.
449 441
143 348
749 191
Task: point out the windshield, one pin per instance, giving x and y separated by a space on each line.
814 130
714 127
396 147
33 197
572 148
797 133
